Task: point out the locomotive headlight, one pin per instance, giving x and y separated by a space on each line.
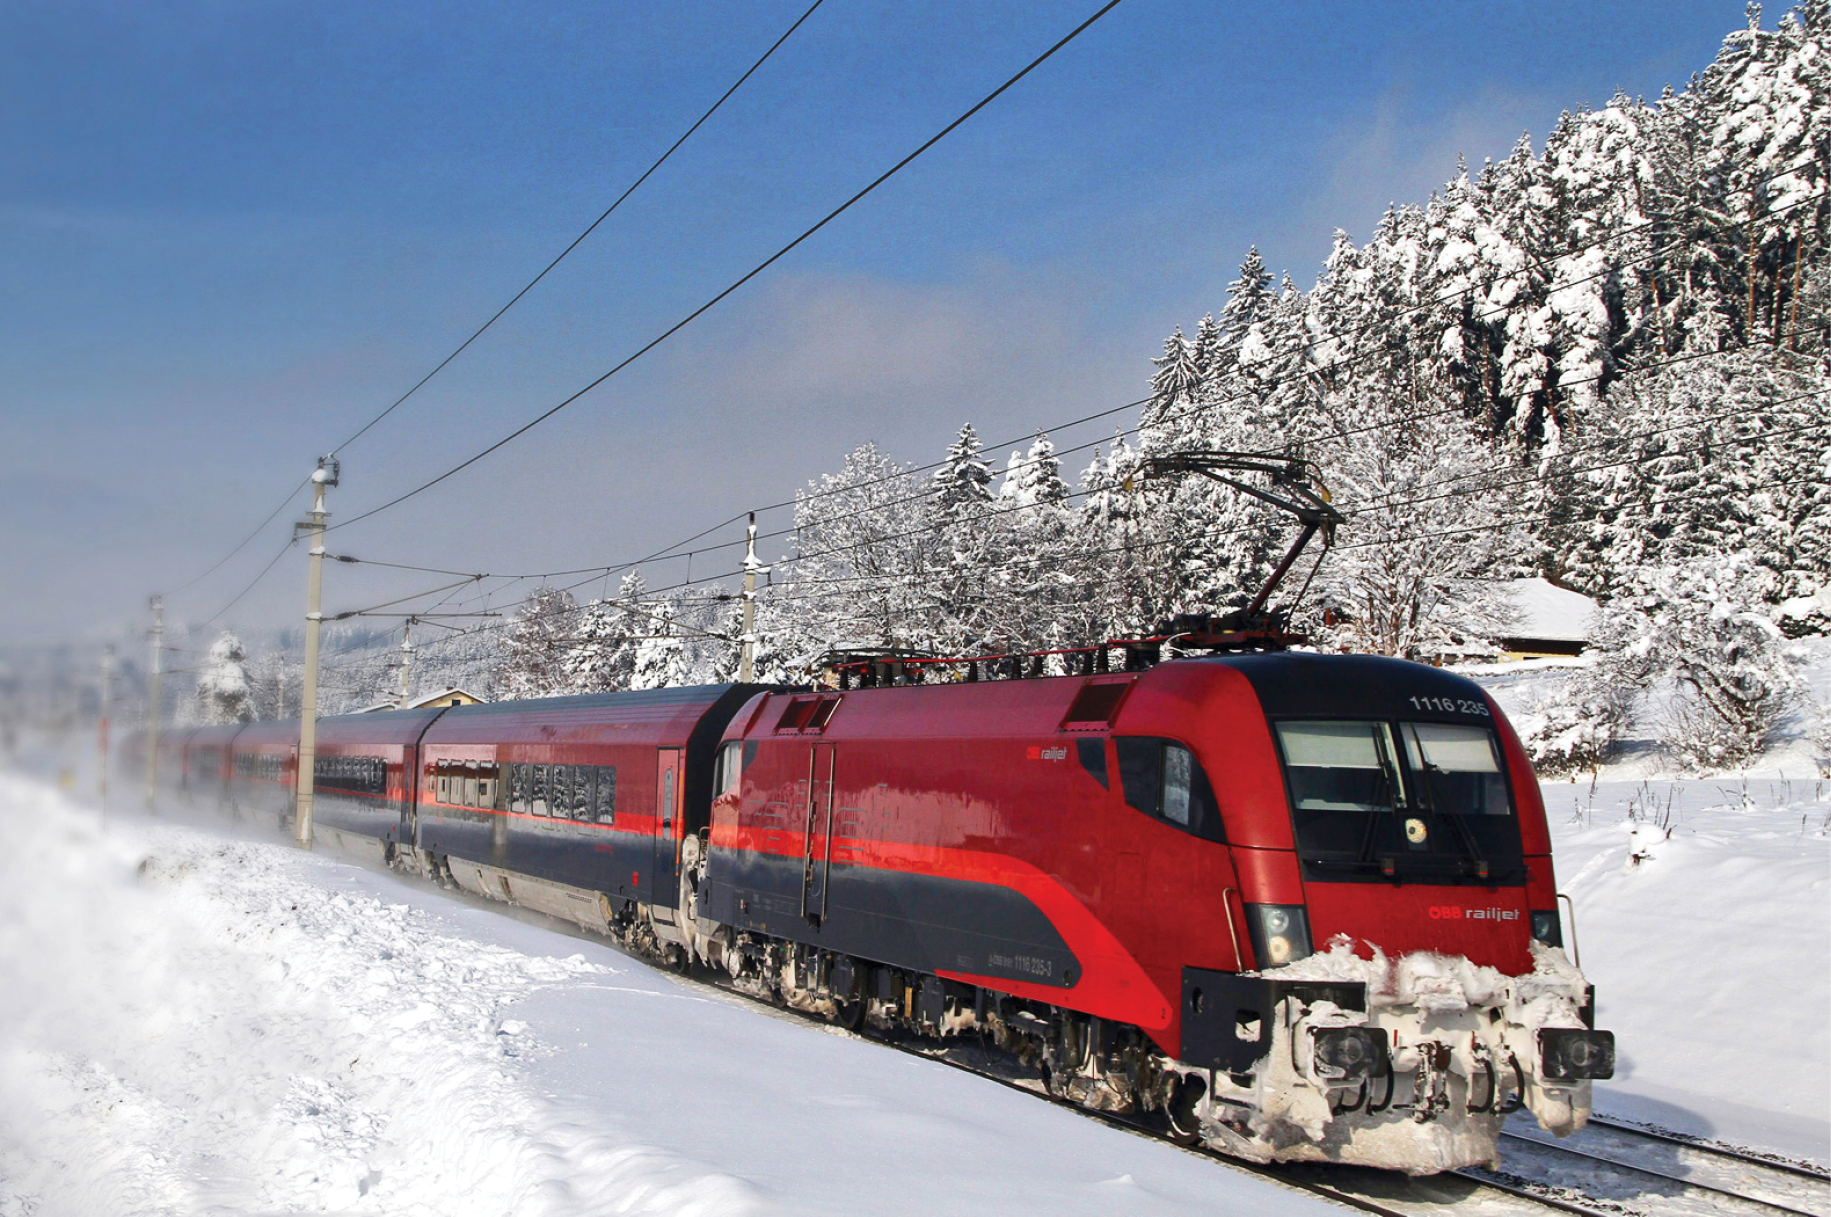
1545 927
1574 1054
1349 1053
1280 933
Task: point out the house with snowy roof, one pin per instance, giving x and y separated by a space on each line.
445 697
1548 621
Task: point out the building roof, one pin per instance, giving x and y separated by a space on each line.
1550 612
441 698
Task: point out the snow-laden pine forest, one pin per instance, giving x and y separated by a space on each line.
1602 360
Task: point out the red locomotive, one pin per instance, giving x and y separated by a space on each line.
1294 906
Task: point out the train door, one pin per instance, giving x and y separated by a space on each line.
817 848
412 766
664 885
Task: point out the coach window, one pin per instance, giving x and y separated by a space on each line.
518 788
537 792
578 792
604 798
486 786
444 785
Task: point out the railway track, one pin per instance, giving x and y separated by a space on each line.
1630 1169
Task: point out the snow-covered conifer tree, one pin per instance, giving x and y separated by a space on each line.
1033 477
1723 455
224 691
963 482
660 658
1177 381
1249 297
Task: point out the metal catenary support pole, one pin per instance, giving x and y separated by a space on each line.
152 701
324 476
406 662
747 641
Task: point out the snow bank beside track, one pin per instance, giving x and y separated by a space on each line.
1703 912
203 1025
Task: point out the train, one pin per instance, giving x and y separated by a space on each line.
1288 905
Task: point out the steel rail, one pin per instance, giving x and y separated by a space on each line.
1635 1168
1715 1148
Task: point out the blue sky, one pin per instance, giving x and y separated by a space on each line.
230 233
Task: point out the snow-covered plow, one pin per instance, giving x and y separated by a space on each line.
1409 1064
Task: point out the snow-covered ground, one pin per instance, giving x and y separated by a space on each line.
1710 950
197 1023
1703 911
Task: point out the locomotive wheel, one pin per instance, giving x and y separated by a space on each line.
849 1014
1185 1126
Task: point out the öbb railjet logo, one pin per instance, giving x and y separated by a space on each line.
1455 912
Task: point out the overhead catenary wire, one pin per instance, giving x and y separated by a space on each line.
516 299
1514 521
762 266
244 542
589 229
252 583
1511 522
344 616
1333 433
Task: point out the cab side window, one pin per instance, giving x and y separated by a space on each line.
729 769
1163 779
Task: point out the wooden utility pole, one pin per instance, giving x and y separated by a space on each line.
152 701
747 641
322 477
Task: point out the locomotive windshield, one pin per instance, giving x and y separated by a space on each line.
1426 802
1461 767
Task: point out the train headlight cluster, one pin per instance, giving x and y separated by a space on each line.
1280 933
1545 927
1576 1054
